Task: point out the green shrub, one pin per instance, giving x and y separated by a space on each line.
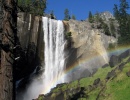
40 98
68 35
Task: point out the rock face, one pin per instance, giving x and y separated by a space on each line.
88 46
114 59
96 81
30 35
106 15
110 74
30 31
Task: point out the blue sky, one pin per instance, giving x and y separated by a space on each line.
80 8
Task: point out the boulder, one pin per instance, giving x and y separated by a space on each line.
96 81
125 54
77 95
94 71
110 74
106 65
128 74
114 60
85 73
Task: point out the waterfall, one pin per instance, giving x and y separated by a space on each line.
53 52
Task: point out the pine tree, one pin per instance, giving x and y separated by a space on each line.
90 17
97 18
52 15
67 16
73 17
112 28
121 16
36 7
116 12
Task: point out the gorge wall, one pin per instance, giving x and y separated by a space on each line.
85 47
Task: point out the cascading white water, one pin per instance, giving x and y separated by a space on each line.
53 53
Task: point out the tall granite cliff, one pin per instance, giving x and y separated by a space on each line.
85 49
88 48
85 43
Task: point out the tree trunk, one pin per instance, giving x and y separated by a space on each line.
9 22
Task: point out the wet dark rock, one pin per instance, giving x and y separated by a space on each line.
128 74
78 95
106 65
96 81
124 54
27 62
111 74
60 96
114 60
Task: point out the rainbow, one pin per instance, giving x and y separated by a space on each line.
76 64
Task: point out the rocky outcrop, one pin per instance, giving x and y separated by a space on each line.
30 35
30 31
96 81
125 54
106 65
88 46
106 15
114 60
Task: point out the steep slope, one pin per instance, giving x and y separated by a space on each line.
107 84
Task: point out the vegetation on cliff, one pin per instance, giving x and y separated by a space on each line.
36 7
109 83
66 15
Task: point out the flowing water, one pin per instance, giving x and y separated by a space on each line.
54 52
